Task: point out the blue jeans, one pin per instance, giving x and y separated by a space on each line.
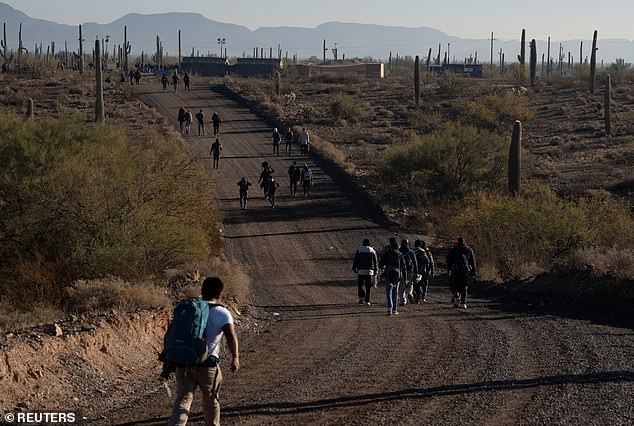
391 293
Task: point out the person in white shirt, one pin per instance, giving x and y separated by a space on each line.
207 375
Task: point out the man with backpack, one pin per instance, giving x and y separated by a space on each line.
307 179
294 175
181 117
187 121
425 270
393 266
244 185
271 190
405 292
461 267
215 119
192 345
365 265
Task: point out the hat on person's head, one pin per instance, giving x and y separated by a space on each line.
405 242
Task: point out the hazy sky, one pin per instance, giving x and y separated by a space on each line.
560 19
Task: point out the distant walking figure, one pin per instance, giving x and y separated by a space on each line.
271 190
304 141
294 175
288 140
461 266
215 118
188 122
200 117
276 142
164 82
244 185
307 179
365 265
266 172
393 266
216 147
175 80
186 82
181 117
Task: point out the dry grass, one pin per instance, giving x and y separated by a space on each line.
14 318
113 294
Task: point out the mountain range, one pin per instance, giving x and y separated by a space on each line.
201 35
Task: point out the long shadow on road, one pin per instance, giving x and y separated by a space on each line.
291 408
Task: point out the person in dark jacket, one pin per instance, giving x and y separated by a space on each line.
214 151
425 270
461 266
393 266
365 265
215 119
181 117
263 180
244 185
288 140
294 175
406 289
186 82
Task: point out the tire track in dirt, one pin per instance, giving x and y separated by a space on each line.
326 360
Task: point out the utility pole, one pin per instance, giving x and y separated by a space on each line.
492 49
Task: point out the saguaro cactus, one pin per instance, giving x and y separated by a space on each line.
29 109
429 60
533 61
417 80
607 108
8 58
81 52
100 115
515 159
126 49
521 57
593 62
21 47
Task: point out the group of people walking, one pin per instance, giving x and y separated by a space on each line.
270 185
406 272
185 119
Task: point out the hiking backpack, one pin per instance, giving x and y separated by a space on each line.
308 175
423 260
461 263
185 339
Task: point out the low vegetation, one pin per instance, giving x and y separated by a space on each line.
80 202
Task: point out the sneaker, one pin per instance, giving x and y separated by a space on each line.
464 306
395 312
368 303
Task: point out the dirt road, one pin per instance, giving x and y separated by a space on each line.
321 358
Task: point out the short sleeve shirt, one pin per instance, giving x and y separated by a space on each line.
219 316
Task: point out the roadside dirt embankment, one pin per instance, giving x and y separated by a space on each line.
39 370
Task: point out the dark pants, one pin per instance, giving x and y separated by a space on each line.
288 148
306 186
420 289
216 128
364 280
459 288
276 149
293 187
243 199
216 160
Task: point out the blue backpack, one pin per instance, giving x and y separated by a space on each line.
185 340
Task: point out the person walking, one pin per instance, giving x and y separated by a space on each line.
200 117
271 190
181 117
294 175
461 266
424 271
276 142
175 80
307 179
365 265
244 185
215 119
393 266
207 376
186 81
288 140
164 82
405 291
214 151
187 122
304 141
265 173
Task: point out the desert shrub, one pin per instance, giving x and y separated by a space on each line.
80 201
449 163
104 295
497 109
427 121
518 237
14 317
449 83
345 107
236 280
